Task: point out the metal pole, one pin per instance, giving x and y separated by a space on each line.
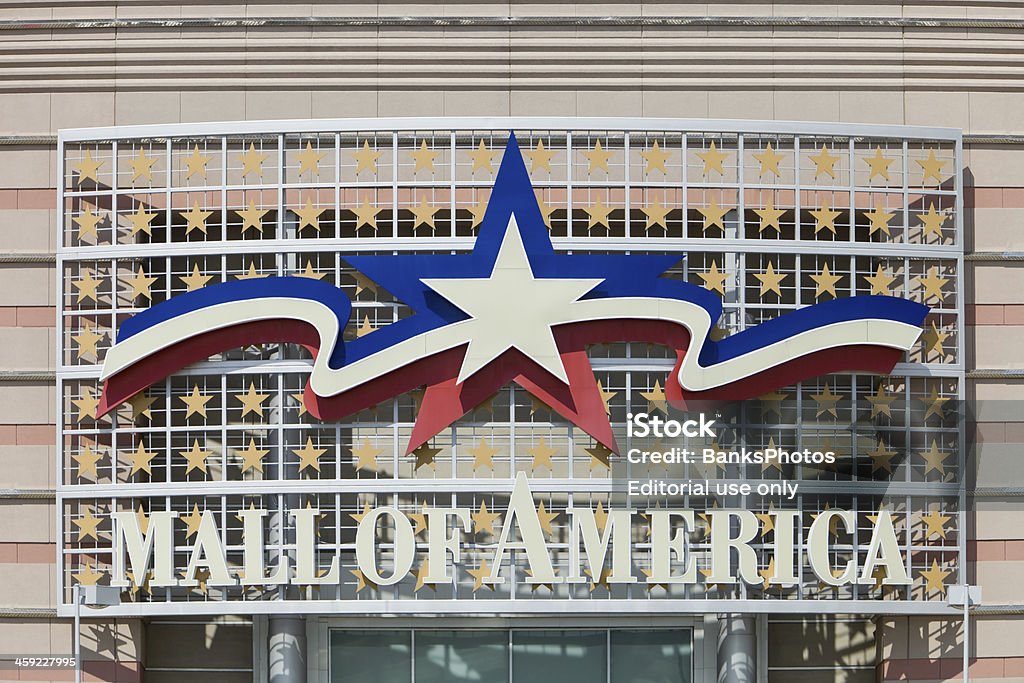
77 595
967 632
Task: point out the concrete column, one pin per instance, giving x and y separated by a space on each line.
286 649
737 648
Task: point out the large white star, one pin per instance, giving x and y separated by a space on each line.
512 309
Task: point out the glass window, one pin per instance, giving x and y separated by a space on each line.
559 656
443 656
371 656
660 656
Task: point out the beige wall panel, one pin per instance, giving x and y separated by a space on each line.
997 112
26 285
732 104
542 103
997 229
997 521
999 464
813 105
27 467
946 109
675 103
26 167
267 104
27 230
28 585
30 635
999 636
609 103
410 103
103 639
81 109
1001 582
996 166
998 284
27 403
24 521
27 348
131 108
469 103
22 113
992 391
332 104
997 346
871 106
212 105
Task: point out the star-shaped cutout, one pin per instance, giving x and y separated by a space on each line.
308 455
309 160
483 521
931 167
252 161
252 402
196 163
769 160
140 284
655 159
86 461
935 578
88 525
141 459
879 219
142 165
540 157
824 162
825 282
365 455
827 401
88 168
712 159
366 214
482 158
308 215
366 158
141 220
714 215
252 217
195 218
252 457
881 457
597 158
542 453
770 217
86 340
770 281
825 218
87 286
880 282
195 457
483 455
879 164
424 158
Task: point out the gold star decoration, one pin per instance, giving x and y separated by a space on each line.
602 579
87 460
196 280
546 210
252 402
141 220
251 273
308 455
358 516
87 222
881 402
770 281
252 457
141 405
826 401
140 284
366 158
195 218
86 340
656 398
196 163
196 457
141 459
767 574
363 582
933 340
935 404
252 161
540 157
88 576
482 158
824 162
310 272
935 460
542 453
419 519
935 524
300 398
772 403
651 586
767 520
546 518
599 455
656 214
879 164
195 402
87 404
366 455
86 285
881 457
365 327
423 570
483 521
597 158
142 165
825 218
825 281
606 397
423 157
712 159
425 456
87 524
714 215
482 572
931 167
535 586
192 521
933 221
309 160
879 219
253 217
768 464
309 215
655 159
600 516
366 214
935 578
143 520
478 210
87 168
769 216
880 282
933 284
769 161
598 213
483 455
423 214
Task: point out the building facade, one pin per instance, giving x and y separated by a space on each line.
157 153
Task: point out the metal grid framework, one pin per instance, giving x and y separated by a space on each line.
773 216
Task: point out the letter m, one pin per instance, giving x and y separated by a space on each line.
616 533
155 547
